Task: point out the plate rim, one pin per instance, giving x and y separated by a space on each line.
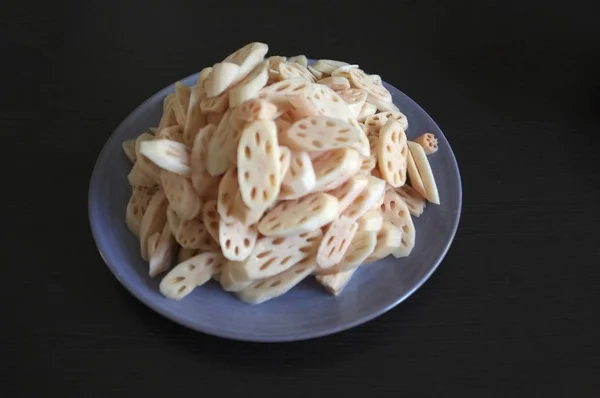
93 187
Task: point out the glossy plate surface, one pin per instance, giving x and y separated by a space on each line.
307 311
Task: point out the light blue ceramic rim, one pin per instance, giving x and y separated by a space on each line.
94 215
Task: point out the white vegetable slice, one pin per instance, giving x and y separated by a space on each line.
273 255
154 220
388 238
169 155
161 258
329 103
182 101
218 104
371 195
137 178
192 234
382 105
210 217
193 272
335 283
232 278
360 249
429 143
335 242
129 149
251 110
259 170
396 211
181 195
281 92
422 163
413 199
327 65
355 98
136 207
371 221
368 163
378 120
349 191
168 113
237 240
359 79
365 111
392 153
277 285
300 178
228 189
300 60
317 74
222 76
143 163
291 70
336 83
201 179
250 86
342 71
413 174
248 57
303 215
335 168
173 220
222 146
321 133
195 119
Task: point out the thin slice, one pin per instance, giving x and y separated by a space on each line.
335 283
335 168
192 234
378 120
228 189
248 57
371 195
154 220
138 203
366 111
349 191
395 210
359 79
250 86
299 59
371 221
277 285
169 155
163 254
429 143
413 174
201 179
303 215
300 178
389 238
336 83
259 174
392 153
222 76
232 278
193 272
360 249
181 195
413 199
222 146
321 133
210 217
356 100
335 242
292 70
422 163
317 74
281 92
273 255
327 66
237 240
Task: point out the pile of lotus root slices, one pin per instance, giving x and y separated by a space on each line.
269 170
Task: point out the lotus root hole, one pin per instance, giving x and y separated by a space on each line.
301 270
272 179
313 121
267 264
276 283
253 193
247 242
335 98
181 289
237 251
228 243
286 260
331 251
265 195
248 152
316 208
329 123
259 285
342 245
341 139
317 96
393 204
191 267
303 126
344 131
301 135
405 228
276 226
264 254
135 210
178 279
389 165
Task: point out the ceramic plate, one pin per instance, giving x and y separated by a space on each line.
307 311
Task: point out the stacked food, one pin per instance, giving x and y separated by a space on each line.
269 170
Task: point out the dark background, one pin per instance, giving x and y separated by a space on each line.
512 312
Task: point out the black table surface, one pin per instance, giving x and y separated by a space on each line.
512 311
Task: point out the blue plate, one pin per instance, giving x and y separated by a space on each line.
305 312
